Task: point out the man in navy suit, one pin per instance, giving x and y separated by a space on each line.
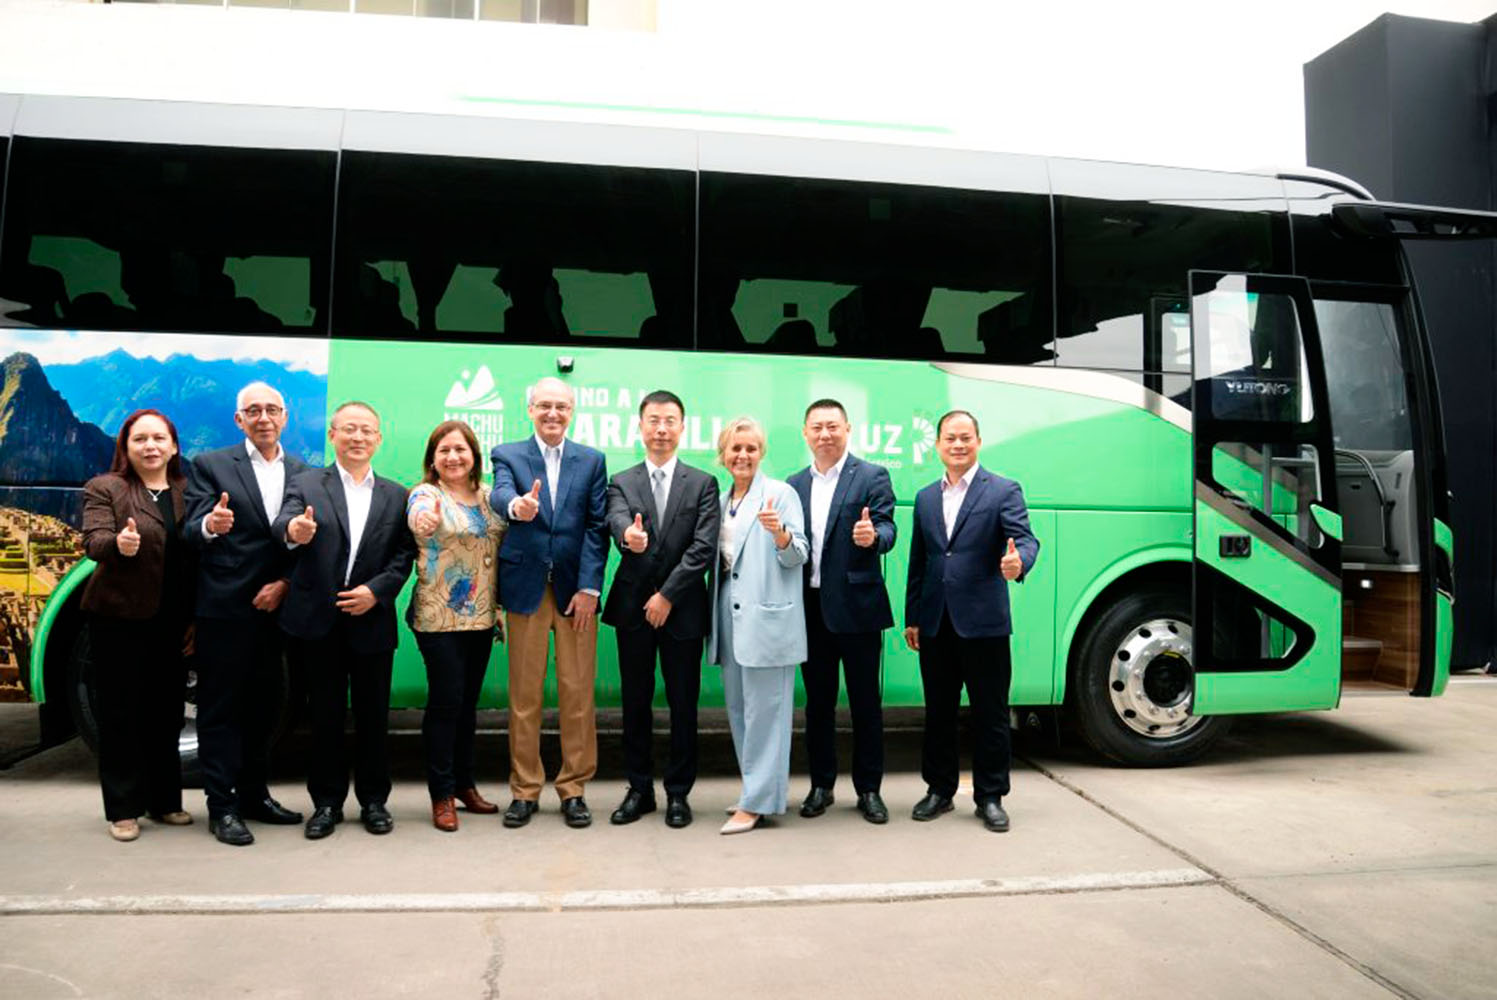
849 507
233 497
550 575
971 535
353 554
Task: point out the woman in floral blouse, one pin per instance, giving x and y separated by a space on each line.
453 611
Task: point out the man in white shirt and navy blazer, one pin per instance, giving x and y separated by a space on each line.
233 496
971 537
849 507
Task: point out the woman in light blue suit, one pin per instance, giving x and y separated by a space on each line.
758 620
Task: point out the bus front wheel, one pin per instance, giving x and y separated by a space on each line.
1133 683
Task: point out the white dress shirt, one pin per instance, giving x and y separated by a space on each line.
551 456
270 477
358 495
823 485
952 495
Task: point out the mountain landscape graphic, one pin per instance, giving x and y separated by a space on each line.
197 394
42 441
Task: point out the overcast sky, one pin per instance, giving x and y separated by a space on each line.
1201 83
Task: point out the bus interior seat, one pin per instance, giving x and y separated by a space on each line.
98 311
1009 335
877 317
719 327
376 305
42 291
535 311
794 336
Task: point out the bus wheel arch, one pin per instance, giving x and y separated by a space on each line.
1129 674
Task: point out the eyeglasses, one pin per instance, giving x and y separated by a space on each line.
547 406
256 412
357 430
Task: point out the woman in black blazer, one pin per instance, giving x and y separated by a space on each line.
139 603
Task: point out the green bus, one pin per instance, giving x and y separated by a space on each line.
1215 388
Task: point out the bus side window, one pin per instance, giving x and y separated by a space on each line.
508 251
1119 258
873 270
152 237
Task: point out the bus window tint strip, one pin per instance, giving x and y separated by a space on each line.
513 252
809 266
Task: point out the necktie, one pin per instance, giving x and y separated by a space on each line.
553 471
659 490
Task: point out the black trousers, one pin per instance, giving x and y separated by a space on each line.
948 661
336 677
858 653
455 665
239 662
141 680
681 669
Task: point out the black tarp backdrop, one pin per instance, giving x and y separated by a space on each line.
1408 107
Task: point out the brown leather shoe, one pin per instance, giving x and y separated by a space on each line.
475 803
444 815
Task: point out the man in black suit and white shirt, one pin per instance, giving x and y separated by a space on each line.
664 517
849 507
354 554
233 496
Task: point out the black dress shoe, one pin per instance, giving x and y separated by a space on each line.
930 807
993 816
635 805
377 818
324 818
519 812
574 811
268 810
230 829
677 812
872 807
816 802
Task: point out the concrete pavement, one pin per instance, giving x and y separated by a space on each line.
1346 854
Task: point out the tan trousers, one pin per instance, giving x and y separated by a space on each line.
576 668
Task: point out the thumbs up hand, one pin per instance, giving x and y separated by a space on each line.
128 539
221 518
425 522
302 527
1011 565
528 505
770 518
636 538
863 534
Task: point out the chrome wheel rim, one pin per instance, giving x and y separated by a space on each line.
1151 681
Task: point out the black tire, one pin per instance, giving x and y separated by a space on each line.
83 697
1131 683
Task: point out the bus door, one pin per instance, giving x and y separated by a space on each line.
1267 528
1398 545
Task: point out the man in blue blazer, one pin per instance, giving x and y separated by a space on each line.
849 507
971 535
550 574
233 497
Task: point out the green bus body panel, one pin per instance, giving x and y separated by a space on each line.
1327 521
1073 453
1444 614
70 582
1445 539
1102 547
1314 681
